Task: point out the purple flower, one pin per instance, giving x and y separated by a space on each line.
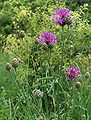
73 72
47 38
62 16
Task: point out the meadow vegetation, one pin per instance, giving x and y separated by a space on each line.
45 60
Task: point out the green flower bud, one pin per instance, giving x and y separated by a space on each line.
8 67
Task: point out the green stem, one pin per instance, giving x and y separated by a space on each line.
62 44
10 109
48 67
61 67
49 57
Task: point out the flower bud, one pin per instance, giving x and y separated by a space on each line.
37 93
8 67
77 85
15 62
21 34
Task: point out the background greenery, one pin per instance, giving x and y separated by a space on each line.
21 21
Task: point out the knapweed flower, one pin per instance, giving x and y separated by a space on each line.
47 38
73 72
62 16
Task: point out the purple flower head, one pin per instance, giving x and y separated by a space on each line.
62 16
47 38
72 72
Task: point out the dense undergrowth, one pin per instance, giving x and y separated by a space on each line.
34 83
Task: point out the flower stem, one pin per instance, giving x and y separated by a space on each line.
61 67
62 57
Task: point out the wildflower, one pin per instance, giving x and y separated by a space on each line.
8 67
62 16
37 93
47 38
73 72
78 85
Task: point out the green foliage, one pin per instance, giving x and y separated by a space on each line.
42 68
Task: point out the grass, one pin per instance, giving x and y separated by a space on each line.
38 89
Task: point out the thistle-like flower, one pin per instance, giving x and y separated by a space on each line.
62 16
47 38
73 72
